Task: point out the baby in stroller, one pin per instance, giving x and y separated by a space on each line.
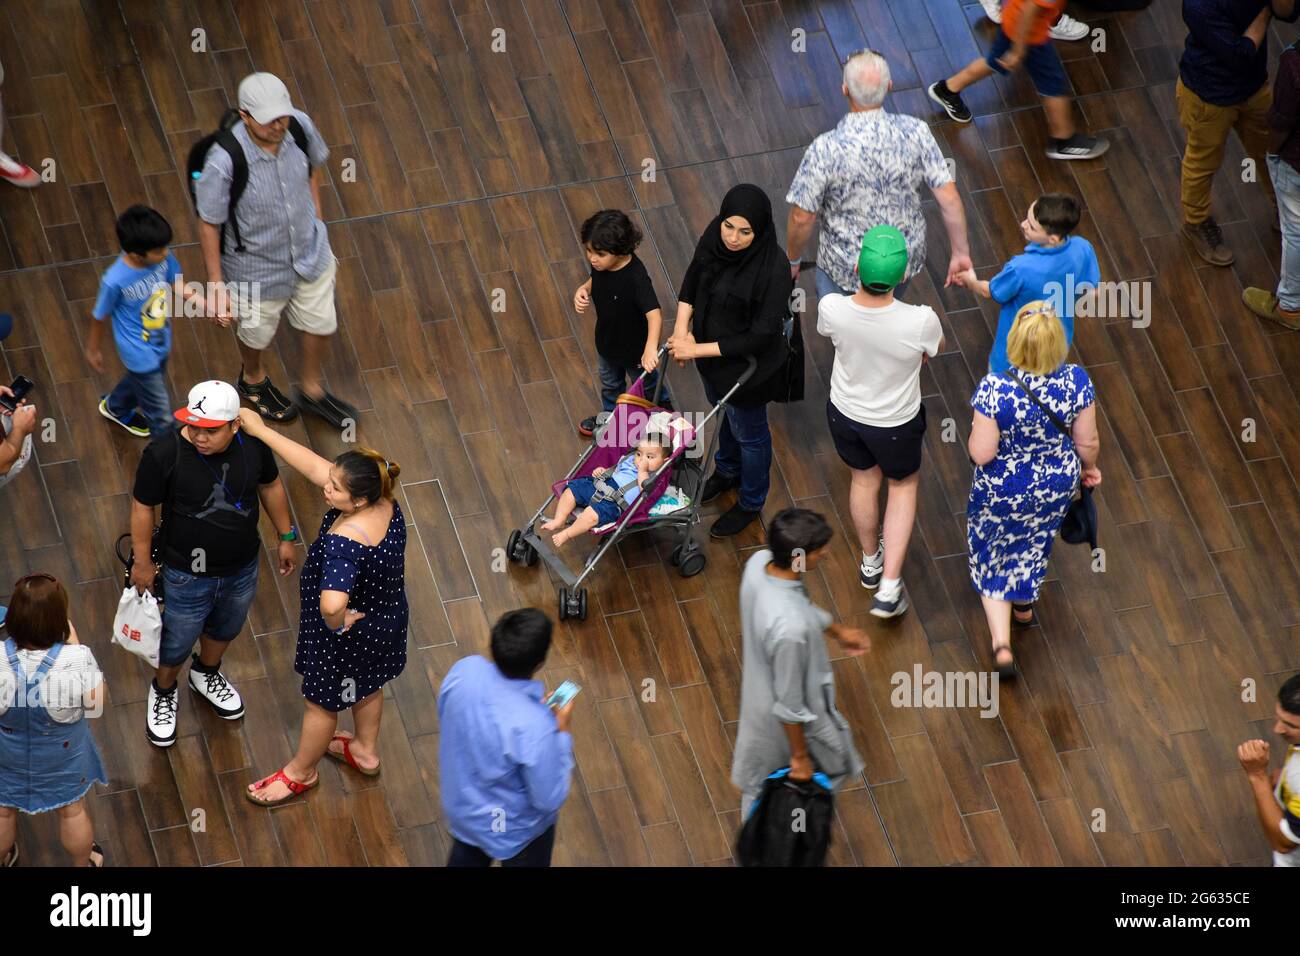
609 491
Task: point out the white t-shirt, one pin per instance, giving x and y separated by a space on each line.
7 423
876 379
74 674
1288 797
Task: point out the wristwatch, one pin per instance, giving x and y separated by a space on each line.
290 535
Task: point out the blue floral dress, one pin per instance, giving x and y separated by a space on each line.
339 670
1018 500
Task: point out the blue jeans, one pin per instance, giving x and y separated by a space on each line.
535 854
614 379
146 391
744 449
1286 183
826 285
217 607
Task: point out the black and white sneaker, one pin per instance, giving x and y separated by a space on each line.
894 607
951 102
160 716
872 567
1077 146
217 691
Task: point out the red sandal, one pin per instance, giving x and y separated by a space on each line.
295 788
346 756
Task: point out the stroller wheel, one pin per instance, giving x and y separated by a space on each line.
692 564
675 556
564 604
512 547
582 604
530 554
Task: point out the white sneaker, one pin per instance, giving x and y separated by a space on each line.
992 9
1068 28
872 568
217 691
160 716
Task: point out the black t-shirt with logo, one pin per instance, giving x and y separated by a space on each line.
209 501
622 299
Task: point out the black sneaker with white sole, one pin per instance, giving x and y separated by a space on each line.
891 608
1077 146
160 715
213 687
951 102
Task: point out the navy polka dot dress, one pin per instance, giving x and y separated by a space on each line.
339 670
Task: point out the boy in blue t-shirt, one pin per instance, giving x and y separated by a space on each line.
136 291
1055 266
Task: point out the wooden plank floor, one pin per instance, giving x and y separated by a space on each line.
473 169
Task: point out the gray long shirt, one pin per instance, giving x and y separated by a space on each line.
786 679
284 242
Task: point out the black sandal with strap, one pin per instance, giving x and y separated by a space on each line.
1022 608
96 848
1006 671
268 400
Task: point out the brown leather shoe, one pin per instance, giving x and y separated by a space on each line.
1207 239
1265 305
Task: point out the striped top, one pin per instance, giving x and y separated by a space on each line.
284 242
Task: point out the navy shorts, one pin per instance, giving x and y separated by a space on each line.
583 490
217 607
896 450
1041 62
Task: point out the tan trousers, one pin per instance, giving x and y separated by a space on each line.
1207 127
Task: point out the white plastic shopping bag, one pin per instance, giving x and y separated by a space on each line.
138 625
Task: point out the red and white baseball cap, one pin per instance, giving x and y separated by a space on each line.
211 404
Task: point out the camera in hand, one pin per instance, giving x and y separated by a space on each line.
21 387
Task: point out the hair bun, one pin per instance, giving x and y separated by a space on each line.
394 469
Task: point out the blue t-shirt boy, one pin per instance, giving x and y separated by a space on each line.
138 300
1057 274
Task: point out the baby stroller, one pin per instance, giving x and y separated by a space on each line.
613 439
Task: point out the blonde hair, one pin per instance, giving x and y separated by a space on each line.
1036 342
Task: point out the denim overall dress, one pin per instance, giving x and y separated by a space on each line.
43 764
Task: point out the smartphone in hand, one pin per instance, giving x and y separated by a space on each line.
21 387
563 694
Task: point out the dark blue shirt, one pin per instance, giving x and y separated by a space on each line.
1219 64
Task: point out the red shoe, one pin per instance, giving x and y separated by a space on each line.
295 788
20 175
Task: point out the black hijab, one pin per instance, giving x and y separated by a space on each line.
744 272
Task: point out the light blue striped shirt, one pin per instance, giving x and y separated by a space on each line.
284 242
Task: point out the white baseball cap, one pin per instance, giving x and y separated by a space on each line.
211 404
264 97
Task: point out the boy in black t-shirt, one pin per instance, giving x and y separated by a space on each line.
209 479
628 318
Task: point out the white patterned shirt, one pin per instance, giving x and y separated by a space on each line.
867 172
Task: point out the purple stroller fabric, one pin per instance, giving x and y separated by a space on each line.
621 434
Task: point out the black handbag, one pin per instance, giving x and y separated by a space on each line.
790 825
126 554
790 380
1080 522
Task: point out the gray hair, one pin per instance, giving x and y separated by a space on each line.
866 74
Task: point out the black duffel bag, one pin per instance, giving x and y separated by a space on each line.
790 825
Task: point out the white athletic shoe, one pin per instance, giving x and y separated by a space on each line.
160 716
992 9
217 691
1068 28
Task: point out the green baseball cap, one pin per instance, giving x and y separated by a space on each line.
883 260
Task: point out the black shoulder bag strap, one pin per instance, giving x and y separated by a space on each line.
1056 419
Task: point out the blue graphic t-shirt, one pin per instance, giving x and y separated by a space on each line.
1057 274
137 299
